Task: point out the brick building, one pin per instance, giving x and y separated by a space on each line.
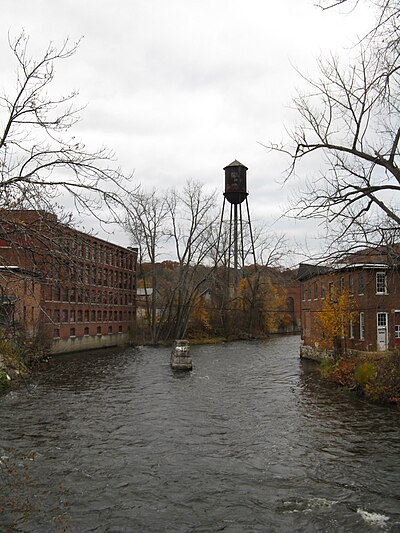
76 290
373 281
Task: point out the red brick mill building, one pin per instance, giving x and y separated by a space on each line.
74 290
372 278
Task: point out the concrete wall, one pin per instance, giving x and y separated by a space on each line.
88 342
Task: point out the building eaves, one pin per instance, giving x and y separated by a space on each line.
307 271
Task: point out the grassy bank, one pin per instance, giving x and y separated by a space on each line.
375 375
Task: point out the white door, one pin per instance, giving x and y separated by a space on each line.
382 331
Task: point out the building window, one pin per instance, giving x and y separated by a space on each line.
360 283
65 295
98 330
397 331
72 315
93 315
351 330
362 327
79 315
65 315
315 293
330 289
56 315
99 316
110 330
342 283
86 332
56 333
322 293
382 319
86 315
351 283
57 294
381 283
72 332
119 329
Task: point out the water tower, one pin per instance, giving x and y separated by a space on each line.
240 243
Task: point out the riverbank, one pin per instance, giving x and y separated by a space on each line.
375 375
16 362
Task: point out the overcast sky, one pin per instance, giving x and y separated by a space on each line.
181 88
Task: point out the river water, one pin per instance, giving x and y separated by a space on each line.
251 441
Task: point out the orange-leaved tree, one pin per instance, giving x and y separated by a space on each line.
334 319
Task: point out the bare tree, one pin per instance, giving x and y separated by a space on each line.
185 223
147 214
351 115
193 232
40 158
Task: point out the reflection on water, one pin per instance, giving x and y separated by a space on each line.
251 440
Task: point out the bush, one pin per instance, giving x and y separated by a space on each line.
4 380
375 375
365 373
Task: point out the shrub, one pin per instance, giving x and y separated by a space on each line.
4 380
364 373
375 375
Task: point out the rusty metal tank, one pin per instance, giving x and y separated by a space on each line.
235 183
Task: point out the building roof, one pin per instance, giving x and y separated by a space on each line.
236 163
307 271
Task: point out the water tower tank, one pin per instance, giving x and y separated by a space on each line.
235 183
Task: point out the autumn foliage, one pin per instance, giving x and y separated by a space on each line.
376 376
334 319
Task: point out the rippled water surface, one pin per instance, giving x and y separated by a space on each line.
250 441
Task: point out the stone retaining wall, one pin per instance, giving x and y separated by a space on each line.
315 354
319 354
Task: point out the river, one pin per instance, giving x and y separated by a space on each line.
251 441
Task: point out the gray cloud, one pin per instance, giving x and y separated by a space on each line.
180 88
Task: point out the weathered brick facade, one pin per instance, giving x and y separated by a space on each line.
375 289
85 287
